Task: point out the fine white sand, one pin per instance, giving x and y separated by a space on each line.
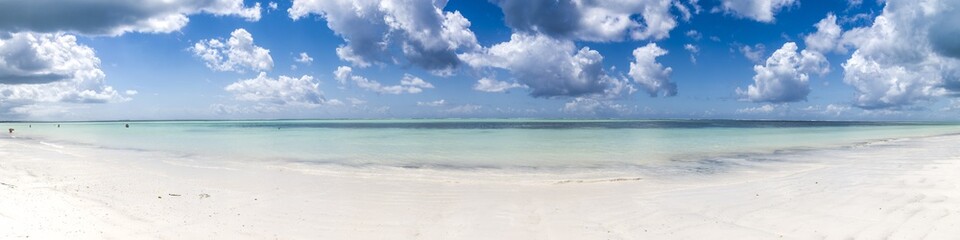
905 189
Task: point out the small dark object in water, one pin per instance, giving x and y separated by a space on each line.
58 125
127 125
11 130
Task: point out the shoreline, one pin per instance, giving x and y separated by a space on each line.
895 189
524 146
675 165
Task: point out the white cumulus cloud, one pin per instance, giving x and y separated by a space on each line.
785 75
754 53
48 68
827 37
284 90
650 74
427 36
465 109
549 67
409 84
602 20
693 34
597 107
114 17
694 50
766 108
304 58
236 54
436 103
835 109
492 85
759 10
905 56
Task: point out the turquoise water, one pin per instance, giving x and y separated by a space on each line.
473 143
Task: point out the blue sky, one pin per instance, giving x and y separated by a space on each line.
233 59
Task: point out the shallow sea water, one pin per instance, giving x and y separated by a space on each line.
474 143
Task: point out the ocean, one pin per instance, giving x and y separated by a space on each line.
476 143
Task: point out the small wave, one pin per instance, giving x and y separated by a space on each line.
51 145
183 164
878 142
605 180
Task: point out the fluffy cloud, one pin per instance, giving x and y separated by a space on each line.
492 85
48 68
754 53
427 36
905 56
694 50
465 109
693 34
113 17
436 103
827 37
836 110
409 84
649 74
592 106
759 10
766 108
593 20
304 58
236 54
550 67
280 91
784 77
36 58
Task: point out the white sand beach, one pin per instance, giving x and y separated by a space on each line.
903 189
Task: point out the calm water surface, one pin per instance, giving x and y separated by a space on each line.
474 143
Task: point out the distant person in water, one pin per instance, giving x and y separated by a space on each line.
58 125
127 125
11 131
